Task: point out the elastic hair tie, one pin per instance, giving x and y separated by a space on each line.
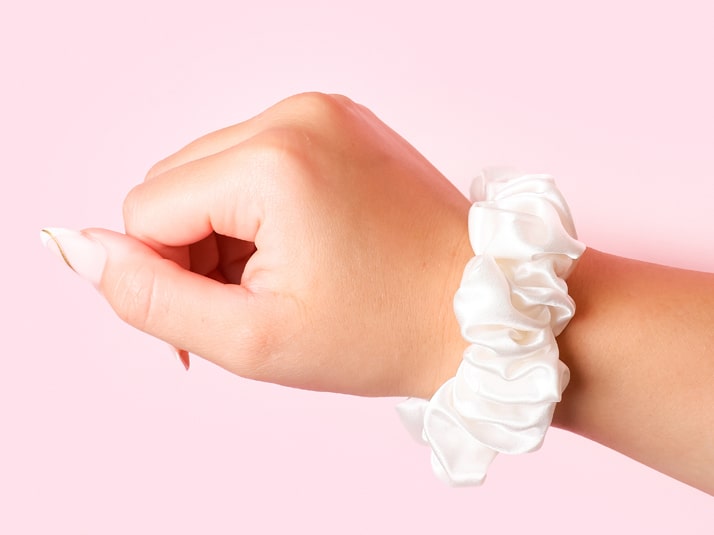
512 303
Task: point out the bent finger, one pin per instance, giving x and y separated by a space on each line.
224 323
222 193
297 109
205 146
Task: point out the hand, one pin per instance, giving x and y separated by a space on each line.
310 246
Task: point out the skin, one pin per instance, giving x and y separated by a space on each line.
641 353
313 247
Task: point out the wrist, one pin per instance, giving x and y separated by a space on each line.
444 363
510 305
575 340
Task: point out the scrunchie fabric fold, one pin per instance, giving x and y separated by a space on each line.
512 304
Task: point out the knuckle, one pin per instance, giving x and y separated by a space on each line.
165 164
157 169
251 349
131 208
280 149
134 297
342 100
255 356
315 108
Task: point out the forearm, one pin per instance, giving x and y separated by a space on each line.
641 354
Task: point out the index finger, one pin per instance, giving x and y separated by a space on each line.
220 193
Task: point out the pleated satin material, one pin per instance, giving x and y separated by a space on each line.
512 303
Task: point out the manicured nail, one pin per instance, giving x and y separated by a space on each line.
181 355
84 255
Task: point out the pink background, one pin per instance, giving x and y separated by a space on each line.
102 431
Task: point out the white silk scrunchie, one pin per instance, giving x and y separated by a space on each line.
512 303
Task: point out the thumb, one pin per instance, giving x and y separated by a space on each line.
221 322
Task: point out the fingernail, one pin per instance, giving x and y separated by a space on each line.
181 355
84 255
